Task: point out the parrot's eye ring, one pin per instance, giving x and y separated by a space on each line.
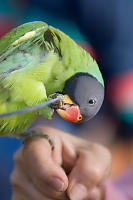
92 102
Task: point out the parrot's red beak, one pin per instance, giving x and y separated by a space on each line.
69 111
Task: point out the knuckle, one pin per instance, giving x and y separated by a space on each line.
18 156
95 174
105 152
13 179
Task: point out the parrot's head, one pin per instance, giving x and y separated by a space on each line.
83 97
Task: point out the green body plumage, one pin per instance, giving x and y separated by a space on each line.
35 61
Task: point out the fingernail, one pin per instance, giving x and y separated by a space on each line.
57 184
78 192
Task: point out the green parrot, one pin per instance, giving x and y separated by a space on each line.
38 62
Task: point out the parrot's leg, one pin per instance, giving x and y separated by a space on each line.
58 103
34 133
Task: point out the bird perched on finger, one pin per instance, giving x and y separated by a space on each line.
38 62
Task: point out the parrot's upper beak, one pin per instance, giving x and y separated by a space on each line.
69 111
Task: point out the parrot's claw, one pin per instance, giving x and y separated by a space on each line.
58 103
34 133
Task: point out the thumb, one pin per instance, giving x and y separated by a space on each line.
44 166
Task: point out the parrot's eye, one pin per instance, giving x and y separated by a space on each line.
92 102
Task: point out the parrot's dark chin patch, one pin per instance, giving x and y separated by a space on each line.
85 119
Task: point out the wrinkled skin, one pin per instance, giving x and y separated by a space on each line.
73 160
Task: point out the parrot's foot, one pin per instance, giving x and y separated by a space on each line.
34 133
58 103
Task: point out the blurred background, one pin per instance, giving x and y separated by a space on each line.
105 30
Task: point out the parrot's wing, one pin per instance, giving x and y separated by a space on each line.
24 64
25 47
20 49
16 36
16 50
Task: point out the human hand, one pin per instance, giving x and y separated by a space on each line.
74 170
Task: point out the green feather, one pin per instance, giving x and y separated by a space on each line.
35 61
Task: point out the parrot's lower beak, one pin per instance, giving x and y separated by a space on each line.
69 111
